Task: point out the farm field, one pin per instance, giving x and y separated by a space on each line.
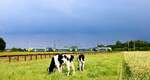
136 66
102 66
97 67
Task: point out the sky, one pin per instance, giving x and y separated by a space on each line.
85 23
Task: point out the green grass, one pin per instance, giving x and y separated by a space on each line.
97 67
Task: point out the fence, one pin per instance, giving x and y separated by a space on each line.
37 56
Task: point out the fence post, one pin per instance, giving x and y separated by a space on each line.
25 58
17 58
30 57
45 55
36 57
9 59
41 56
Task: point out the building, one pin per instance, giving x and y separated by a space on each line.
102 49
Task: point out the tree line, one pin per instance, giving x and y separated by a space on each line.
132 45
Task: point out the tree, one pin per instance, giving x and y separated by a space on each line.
2 44
16 49
131 45
101 45
119 44
74 48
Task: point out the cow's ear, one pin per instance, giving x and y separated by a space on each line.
71 58
60 56
65 56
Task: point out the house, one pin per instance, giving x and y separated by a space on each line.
102 49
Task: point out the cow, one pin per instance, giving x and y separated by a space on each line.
81 62
59 60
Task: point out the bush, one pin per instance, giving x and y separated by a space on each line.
16 49
2 44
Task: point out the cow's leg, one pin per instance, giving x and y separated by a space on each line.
58 67
73 69
68 68
61 67
80 66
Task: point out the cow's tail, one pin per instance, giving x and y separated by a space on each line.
52 66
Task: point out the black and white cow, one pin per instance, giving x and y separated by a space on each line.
59 60
81 61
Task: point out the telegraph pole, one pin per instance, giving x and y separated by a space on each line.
54 45
134 45
128 45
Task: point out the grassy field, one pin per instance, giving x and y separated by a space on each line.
97 67
103 66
